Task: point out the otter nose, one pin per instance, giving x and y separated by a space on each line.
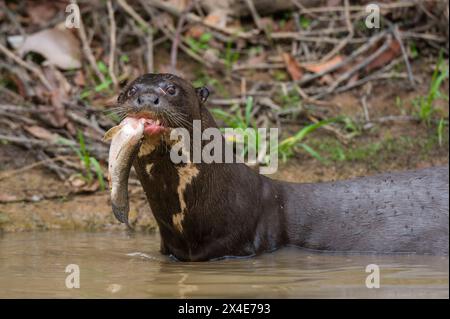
147 99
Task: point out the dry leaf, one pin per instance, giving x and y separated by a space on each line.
59 47
257 59
217 17
41 12
92 187
41 133
80 184
292 66
319 67
8 198
76 181
195 31
326 79
387 56
79 78
21 89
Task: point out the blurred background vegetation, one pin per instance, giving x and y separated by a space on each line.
349 100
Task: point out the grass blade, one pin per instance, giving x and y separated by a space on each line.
99 172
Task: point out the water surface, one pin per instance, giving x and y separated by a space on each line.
116 265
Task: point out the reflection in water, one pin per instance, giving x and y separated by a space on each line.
117 265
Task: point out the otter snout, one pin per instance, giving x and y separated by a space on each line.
147 99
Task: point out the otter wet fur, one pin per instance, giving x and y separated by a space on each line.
209 211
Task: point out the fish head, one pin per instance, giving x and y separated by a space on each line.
121 214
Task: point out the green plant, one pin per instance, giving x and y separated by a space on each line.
201 44
353 128
440 130
237 119
287 147
399 104
124 58
89 162
231 55
425 104
105 85
361 26
334 150
291 99
206 81
280 75
102 86
414 52
4 219
240 121
375 151
255 50
304 22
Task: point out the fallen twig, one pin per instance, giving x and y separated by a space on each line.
128 9
351 57
27 66
112 44
345 76
347 39
176 38
254 13
191 17
8 174
398 37
87 50
383 6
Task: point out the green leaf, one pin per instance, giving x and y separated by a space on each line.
205 37
84 155
104 85
413 50
311 151
193 44
311 128
248 110
102 67
99 172
85 93
124 58
305 22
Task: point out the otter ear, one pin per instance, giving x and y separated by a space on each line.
202 93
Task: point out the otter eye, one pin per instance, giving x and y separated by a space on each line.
131 91
171 90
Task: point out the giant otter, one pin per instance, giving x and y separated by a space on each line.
208 211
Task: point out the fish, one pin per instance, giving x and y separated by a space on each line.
126 139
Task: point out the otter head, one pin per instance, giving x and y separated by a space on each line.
165 100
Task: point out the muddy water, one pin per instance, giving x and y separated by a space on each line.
121 266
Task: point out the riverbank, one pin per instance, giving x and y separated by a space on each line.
36 200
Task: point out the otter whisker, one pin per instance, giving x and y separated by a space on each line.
180 120
176 120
